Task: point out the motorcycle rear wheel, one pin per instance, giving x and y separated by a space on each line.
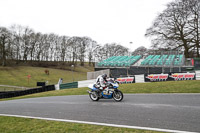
94 96
118 96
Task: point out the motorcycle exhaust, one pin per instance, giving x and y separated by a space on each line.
89 91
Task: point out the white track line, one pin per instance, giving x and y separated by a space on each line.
102 124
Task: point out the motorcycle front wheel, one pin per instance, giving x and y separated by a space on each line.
118 96
94 96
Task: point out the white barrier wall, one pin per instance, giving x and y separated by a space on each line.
139 78
197 75
85 83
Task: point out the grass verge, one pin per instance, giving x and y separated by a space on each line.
26 125
17 76
188 86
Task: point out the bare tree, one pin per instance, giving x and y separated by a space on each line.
194 23
17 32
26 43
40 47
5 40
172 28
64 47
23 44
114 49
51 39
83 44
34 41
91 50
140 51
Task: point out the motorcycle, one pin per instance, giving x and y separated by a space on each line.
111 91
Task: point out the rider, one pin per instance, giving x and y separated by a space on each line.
101 81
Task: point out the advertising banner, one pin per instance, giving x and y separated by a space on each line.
169 77
124 80
156 77
182 76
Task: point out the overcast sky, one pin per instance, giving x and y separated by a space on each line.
105 21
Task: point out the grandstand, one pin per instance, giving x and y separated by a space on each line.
119 61
165 62
150 60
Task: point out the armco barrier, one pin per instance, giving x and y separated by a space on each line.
69 85
10 94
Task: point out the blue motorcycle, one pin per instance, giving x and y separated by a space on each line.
111 91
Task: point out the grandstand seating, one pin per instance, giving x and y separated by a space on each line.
154 60
119 61
178 60
150 60
160 60
169 60
146 60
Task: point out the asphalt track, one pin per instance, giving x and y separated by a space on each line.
179 112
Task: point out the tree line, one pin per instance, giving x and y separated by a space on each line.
177 28
22 44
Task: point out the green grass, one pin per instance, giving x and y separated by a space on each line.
17 76
26 125
190 86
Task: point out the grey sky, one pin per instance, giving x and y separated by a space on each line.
105 21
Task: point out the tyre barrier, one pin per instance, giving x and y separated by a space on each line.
10 94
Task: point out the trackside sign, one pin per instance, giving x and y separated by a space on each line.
183 76
126 80
169 77
157 77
